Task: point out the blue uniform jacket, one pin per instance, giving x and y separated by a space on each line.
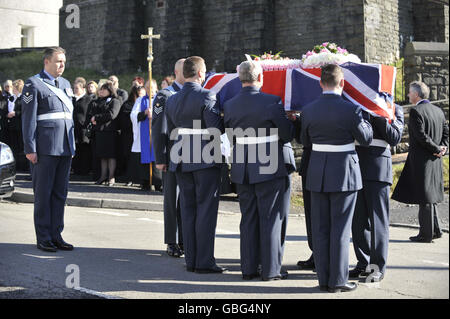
254 109
332 120
53 137
376 162
193 103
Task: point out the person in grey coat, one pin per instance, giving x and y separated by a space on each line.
421 181
330 125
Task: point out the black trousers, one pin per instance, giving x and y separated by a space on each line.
172 212
428 221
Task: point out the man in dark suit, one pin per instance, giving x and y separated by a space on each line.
259 124
49 143
194 113
173 235
330 126
3 119
370 227
83 155
123 95
421 181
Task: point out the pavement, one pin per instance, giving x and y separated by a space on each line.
84 193
120 254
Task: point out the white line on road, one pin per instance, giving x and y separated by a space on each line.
96 293
108 213
43 257
435 262
151 220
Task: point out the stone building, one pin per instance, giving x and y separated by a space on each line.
222 31
29 23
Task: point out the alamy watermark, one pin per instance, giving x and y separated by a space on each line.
73 19
197 145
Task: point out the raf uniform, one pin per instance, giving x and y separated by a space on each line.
370 228
48 131
199 180
330 126
162 145
262 196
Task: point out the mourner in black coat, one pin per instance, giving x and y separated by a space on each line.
82 161
102 114
3 119
421 181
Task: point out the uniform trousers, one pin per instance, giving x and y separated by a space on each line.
199 198
331 227
50 184
263 210
172 213
370 227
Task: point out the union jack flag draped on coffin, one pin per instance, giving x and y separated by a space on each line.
369 85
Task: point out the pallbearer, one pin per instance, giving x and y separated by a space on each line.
262 182
370 228
330 126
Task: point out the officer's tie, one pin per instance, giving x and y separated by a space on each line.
56 83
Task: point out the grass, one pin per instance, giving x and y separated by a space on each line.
24 65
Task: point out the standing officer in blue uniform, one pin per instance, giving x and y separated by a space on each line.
193 112
260 123
331 125
173 235
48 134
370 227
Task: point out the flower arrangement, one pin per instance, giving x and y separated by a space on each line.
327 53
275 62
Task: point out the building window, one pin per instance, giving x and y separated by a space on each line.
27 37
160 4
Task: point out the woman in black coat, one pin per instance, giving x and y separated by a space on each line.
102 114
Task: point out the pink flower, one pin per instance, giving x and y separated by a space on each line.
309 53
324 50
325 44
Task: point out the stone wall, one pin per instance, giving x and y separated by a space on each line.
299 25
222 31
108 37
428 62
388 27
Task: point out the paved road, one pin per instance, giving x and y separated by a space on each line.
120 254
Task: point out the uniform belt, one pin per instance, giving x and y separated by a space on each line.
377 143
257 140
333 148
192 131
55 116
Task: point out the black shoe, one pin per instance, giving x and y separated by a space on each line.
101 181
173 251
420 239
348 287
283 275
62 245
307 264
357 272
214 270
323 288
190 269
250 277
47 246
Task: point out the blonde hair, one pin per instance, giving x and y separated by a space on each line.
18 85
